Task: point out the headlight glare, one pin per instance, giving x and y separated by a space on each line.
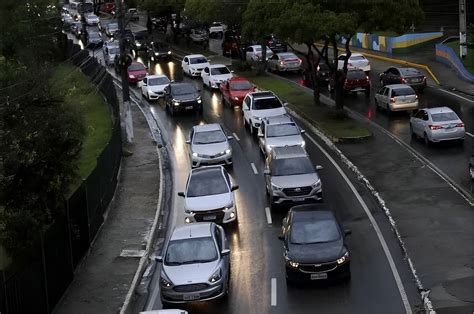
227 151
216 276
165 283
343 258
293 264
195 155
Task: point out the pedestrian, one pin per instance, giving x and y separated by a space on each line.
149 25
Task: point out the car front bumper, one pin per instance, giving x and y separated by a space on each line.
155 95
221 215
215 291
199 160
298 274
279 197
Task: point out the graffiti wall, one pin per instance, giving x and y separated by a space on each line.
399 44
447 56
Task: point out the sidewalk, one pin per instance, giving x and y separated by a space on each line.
103 279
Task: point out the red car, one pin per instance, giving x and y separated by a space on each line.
356 81
108 7
234 90
136 72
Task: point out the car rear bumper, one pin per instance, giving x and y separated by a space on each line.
404 107
442 135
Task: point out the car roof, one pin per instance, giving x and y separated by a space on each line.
238 79
312 212
217 169
194 230
395 86
176 84
408 71
439 109
212 66
136 62
156 76
266 94
194 56
207 127
288 152
282 119
285 53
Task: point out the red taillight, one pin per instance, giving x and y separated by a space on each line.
435 127
403 80
460 125
392 99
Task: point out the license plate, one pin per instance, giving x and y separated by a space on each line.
210 217
319 276
191 297
189 107
299 199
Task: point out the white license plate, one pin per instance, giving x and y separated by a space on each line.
189 107
299 199
191 297
319 276
210 217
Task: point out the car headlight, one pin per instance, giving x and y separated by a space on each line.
199 100
169 52
216 276
176 103
132 76
138 44
293 264
276 187
190 212
303 144
343 258
316 184
195 155
227 151
165 282
157 53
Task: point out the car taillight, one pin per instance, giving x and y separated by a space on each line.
300 61
435 127
460 125
424 78
317 69
349 64
392 99
416 96
403 80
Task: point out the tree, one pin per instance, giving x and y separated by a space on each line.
165 8
228 12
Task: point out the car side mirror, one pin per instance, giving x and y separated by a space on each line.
172 81
302 131
347 232
234 187
225 252
144 83
319 167
230 137
231 71
181 194
159 259
281 238
266 171
285 104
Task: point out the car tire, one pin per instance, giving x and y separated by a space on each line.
426 139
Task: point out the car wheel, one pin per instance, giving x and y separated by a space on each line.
426 139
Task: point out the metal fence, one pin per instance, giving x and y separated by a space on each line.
37 285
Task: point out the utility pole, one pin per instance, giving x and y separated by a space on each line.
462 29
123 63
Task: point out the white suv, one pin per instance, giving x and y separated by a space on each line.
259 105
193 64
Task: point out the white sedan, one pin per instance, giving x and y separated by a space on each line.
192 65
254 53
92 19
214 75
356 61
153 86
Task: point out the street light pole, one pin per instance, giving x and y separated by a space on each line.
462 29
123 65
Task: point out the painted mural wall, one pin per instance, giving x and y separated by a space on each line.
447 56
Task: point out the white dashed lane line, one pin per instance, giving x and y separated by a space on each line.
235 136
255 171
274 292
269 215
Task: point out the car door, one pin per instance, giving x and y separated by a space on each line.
261 136
386 97
190 143
185 64
246 108
144 85
268 172
416 121
378 95
424 122
273 62
206 76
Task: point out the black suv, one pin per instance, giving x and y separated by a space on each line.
140 42
159 51
182 97
275 44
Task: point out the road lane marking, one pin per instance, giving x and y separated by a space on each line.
236 137
274 292
391 262
454 94
269 215
255 171
470 134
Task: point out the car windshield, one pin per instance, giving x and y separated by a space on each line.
444 116
220 71
207 182
114 51
291 166
314 231
112 26
94 35
266 103
209 137
197 60
185 89
159 45
356 75
406 91
190 251
277 130
158 81
136 67
140 36
357 58
241 85
409 71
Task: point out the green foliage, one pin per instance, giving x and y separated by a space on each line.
260 17
228 12
41 142
162 7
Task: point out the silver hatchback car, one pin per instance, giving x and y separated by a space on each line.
436 125
195 264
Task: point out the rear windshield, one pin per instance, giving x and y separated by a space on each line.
219 71
136 67
288 56
197 60
444 116
159 45
291 166
112 26
266 103
244 85
208 182
409 71
403 91
357 58
277 130
158 81
356 75
318 231
114 51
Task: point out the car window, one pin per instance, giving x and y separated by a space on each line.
277 130
240 85
385 91
404 91
136 67
314 231
291 166
158 81
185 59
341 58
419 114
220 71
393 71
444 116
409 71
209 137
218 236
266 103
207 182
288 56
250 49
197 60
189 251
114 51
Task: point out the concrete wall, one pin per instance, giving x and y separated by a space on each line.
447 56
399 44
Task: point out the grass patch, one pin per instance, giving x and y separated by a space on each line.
80 96
468 61
324 118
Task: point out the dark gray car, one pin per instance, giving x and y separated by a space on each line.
182 97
